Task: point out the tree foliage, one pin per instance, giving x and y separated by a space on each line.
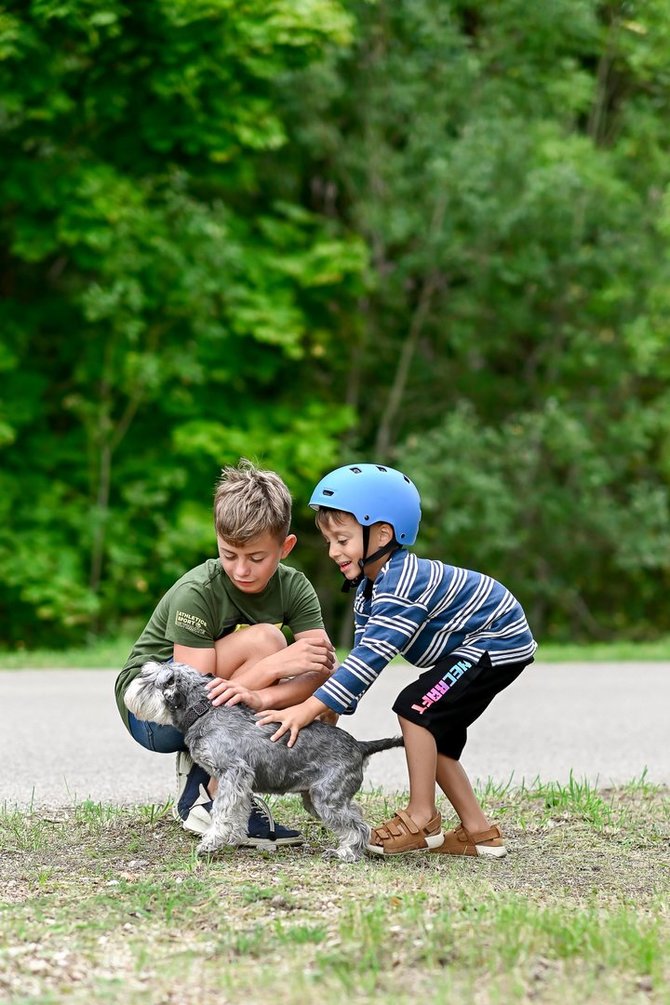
429 232
507 165
160 305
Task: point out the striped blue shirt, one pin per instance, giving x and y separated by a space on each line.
425 610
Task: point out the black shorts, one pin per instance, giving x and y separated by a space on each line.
446 699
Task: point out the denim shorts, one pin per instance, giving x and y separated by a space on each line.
153 736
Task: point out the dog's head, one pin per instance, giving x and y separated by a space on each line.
161 690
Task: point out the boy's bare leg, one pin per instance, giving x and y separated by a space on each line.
424 766
238 653
421 755
455 784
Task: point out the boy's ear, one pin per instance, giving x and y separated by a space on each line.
386 533
288 545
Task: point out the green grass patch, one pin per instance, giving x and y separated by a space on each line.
604 652
106 904
103 654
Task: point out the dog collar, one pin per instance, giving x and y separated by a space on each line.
196 712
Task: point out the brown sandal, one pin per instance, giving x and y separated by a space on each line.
401 834
462 842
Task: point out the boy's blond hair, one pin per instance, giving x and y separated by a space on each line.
249 502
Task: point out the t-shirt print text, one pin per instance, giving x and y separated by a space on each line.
191 623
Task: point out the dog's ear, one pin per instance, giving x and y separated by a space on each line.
165 677
151 667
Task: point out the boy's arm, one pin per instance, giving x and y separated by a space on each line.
315 635
203 660
312 656
281 695
303 616
392 624
312 651
293 719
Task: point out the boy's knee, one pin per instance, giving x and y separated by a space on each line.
267 638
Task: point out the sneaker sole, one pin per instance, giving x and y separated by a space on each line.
198 825
268 845
195 826
258 844
198 821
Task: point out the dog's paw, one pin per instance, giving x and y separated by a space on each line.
341 855
208 845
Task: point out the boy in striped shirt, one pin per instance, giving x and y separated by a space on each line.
464 627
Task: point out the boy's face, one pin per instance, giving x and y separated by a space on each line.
250 566
344 537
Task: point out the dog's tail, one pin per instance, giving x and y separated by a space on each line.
369 747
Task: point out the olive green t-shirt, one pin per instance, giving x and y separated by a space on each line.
204 605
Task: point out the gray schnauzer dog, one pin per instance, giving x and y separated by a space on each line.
325 766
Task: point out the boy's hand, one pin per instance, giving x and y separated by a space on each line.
307 655
292 719
228 692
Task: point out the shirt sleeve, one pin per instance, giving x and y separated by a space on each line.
394 621
304 612
189 620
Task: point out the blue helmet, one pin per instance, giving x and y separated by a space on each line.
373 493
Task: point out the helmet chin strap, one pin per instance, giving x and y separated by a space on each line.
386 549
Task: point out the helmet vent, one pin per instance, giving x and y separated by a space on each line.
356 471
380 468
328 492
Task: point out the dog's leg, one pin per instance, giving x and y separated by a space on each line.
342 816
231 809
307 803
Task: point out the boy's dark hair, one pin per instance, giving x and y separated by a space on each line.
326 516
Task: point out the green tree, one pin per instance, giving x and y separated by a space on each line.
433 232
161 301
507 165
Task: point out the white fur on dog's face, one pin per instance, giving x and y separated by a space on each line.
145 700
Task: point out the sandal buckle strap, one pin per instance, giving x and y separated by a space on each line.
489 835
408 822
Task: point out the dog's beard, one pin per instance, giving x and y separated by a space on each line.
147 703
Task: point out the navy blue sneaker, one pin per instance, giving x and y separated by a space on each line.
264 832
193 805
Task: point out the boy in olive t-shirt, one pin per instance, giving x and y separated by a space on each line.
225 618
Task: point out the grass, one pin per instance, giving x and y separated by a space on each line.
100 654
112 905
606 652
111 653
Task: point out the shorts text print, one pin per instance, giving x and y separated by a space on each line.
442 686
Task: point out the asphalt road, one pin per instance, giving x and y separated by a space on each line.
62 740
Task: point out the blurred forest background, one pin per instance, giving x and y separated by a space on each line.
426 232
